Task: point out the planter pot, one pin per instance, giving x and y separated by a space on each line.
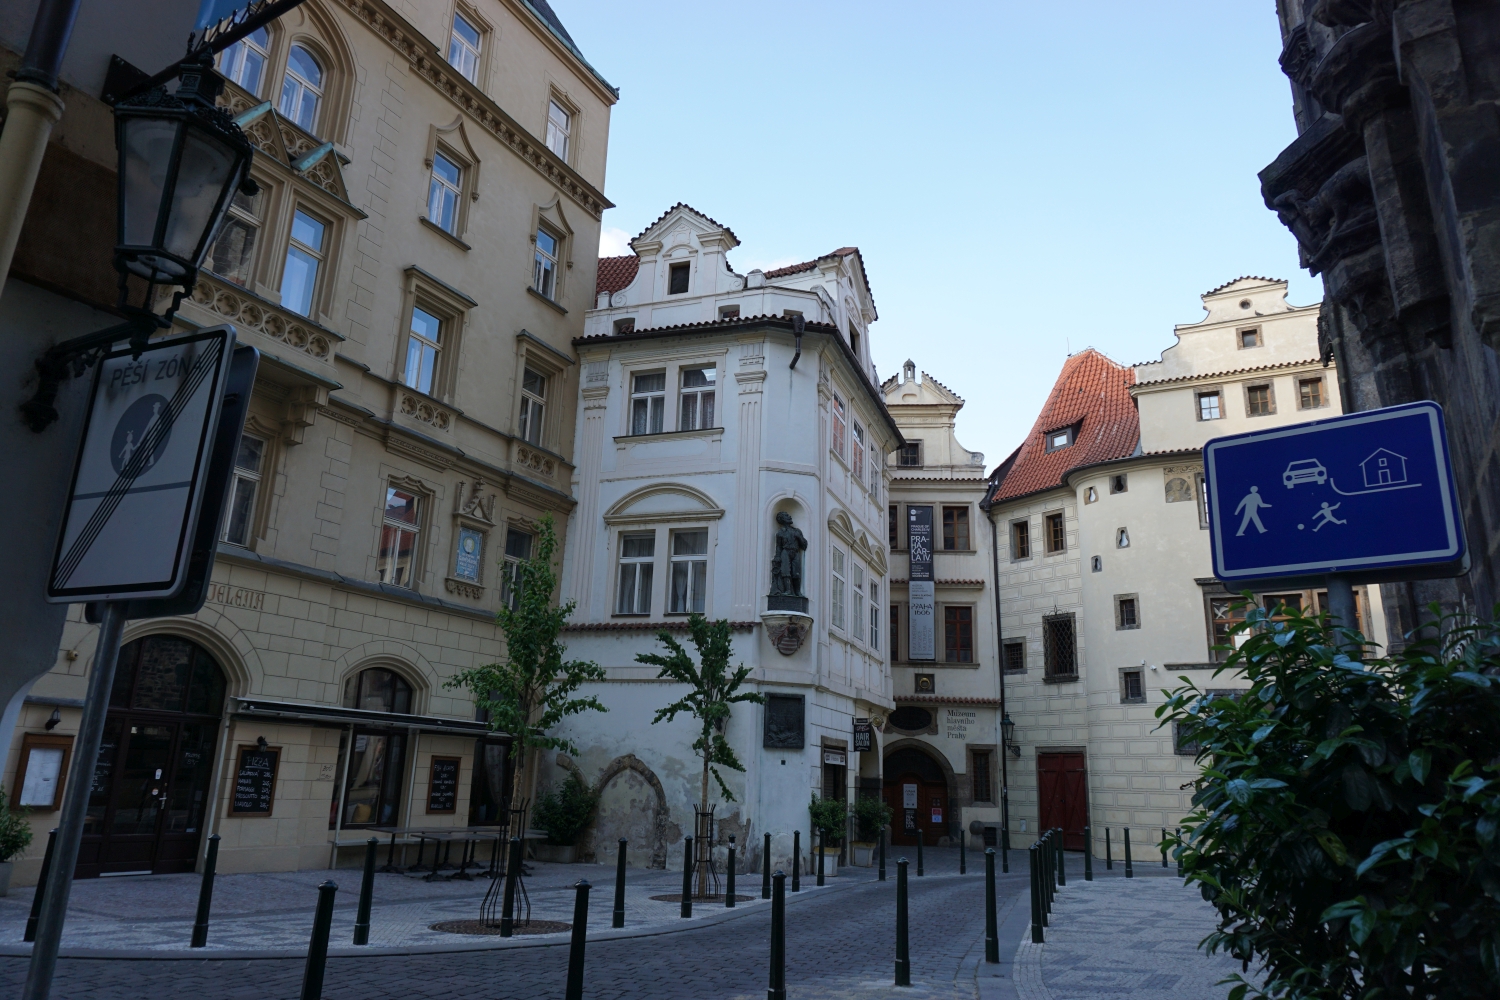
556 853
864 854
6 867
830 862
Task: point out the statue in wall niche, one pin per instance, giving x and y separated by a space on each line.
786 565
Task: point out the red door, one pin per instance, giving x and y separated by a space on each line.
1062 782
917 805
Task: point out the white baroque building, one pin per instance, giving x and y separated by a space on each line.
710 403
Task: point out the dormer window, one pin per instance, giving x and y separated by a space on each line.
677 278
1061 438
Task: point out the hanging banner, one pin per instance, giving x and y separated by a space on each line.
863 740
920 607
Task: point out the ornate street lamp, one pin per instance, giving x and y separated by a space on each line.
1008 734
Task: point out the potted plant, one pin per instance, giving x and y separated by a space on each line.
15 837
872 816
829 817
565 811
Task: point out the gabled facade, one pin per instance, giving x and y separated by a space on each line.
698 428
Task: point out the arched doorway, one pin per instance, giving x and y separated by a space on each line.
149 798
916 789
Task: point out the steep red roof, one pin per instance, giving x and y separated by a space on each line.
616 273
1093 393
808 265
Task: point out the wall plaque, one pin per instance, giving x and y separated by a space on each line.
785 722
255 781
442 791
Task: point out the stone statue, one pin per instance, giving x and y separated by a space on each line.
786 565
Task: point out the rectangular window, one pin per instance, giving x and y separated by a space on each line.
398 538
1222 616
910 455
375 770
838 589
1020 539
544 270
1202 500
1132 686
559 129
1127 611
1249 338
893 525
1059 653
958 634
857 452
1059 438
304 255
840 426
1258 400
874 615
637 558
517 551
895 631
956 529
729 312
232 257
444 192
856 599
1014 656
689 571
1310 393
463 48
648 402
533 405
1208 406
697 399
1057 538
979 771
677 278
874 471
240 520
422 346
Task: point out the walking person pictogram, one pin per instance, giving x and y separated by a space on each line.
1326 515
1251 505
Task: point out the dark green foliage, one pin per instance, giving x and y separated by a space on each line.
15 832
566 810
1345 823
872 815
829 817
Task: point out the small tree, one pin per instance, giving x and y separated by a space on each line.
566 810
829 817
15 832
712 688
535 688
872 815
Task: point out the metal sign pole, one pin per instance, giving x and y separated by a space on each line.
75 804
1341 601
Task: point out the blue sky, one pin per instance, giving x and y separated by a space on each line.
1024 180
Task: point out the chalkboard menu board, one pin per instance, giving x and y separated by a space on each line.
255 781
442 791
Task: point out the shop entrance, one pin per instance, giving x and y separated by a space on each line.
1062 783
149 796
917 792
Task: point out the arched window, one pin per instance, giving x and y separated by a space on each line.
302 89
378 690
245 60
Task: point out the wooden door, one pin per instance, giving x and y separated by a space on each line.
1062 782
917 805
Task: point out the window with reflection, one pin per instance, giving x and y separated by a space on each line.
398 538
422 347
544 269
244 62
304 257
378 689
689 561
302 88
373 771
463 48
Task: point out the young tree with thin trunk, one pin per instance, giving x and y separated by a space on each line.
712 688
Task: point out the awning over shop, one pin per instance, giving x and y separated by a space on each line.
332 715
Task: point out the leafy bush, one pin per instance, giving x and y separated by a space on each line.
829 816
1345 823
566 810
15 832
872 815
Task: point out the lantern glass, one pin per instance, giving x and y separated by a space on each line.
1008 729
207 168
145 162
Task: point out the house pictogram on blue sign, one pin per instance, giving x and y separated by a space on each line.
1384 468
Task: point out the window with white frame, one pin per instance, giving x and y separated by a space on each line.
517 551
857 596
648 402
245 60
544 269
463 48
840 430
874 614
422 347
689 571
533 405
240 521
837 601
304 258
444 193
232 256
302 88
637 559
874 471
400 525
559 128
697 398
857 452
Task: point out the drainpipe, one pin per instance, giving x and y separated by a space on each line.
1000 672
797 325
32 108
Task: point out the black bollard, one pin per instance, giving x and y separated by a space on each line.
765 869
1062 867
1164 847
818 868
1005 850
512 872
1088 854
919 852
366 894
574 989
205 892
991 925
1129 869
777 988
36 900
1038 916
687 876
1049 873
1179 852
963 867
796 860
1109 860
903 956
619 916
729 876
883 835
317 947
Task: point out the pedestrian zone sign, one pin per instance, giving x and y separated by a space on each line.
138 484
1368 494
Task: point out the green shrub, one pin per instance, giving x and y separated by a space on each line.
566 810
15 832
872 815
829 816
1345 824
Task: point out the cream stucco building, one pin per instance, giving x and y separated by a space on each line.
414 270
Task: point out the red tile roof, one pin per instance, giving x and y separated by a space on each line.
808 265
616 273
1092 392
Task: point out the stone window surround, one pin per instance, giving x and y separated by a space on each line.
452 141
534 353
672 366
1119 621
994 773
1270 386
1300 380
486 30
551 218
1124 699
575 119
391 477
661 562
421 290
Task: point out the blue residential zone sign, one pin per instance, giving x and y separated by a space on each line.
1367 494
